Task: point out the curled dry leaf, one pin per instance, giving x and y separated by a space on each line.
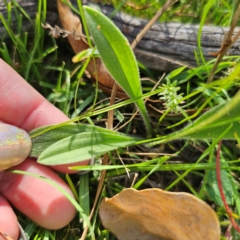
96 69
154 214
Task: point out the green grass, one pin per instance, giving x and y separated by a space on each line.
176 166
183 11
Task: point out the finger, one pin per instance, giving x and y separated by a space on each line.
37 199
8 223
21 105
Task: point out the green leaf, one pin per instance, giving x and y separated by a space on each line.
172 75
117 56
213 129
212 187
228 184
44 137
90 52
82 146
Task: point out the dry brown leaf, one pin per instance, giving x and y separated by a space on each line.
71 23
154 214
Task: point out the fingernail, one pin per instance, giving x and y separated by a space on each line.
15 145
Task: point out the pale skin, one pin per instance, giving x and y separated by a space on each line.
24 107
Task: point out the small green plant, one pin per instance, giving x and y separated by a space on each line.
170 96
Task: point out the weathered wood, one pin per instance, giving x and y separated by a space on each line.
164 47
168 45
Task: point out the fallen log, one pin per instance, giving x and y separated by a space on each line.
165 47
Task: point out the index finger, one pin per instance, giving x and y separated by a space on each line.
21 105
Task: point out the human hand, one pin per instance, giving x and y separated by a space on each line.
24 107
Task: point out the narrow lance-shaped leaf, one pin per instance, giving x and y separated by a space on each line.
117 56
44 137
83 146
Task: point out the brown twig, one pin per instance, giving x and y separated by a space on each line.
227 43
151 22
105 160
220 187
